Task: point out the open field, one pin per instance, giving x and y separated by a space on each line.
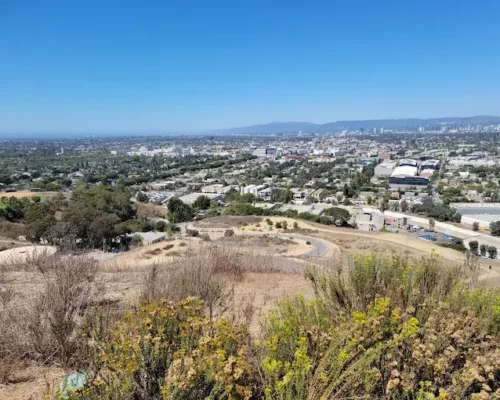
27 194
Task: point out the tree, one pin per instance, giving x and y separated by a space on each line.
142 197
295 225
475 226
102 230
39 220
384 205
348 191
495 228
285 225
179 211
482 250
432 224
14 208
281 195
339 216
136 240
404 205
474 246
161 226
492 252
201 203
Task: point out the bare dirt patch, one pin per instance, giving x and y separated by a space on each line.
33 383
20 255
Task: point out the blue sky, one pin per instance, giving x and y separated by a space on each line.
160 66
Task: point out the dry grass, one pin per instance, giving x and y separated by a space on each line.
151 210
227 221
21 195
42 326
236 284
10 230
259 241
206 275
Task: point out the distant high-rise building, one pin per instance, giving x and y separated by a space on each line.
382 130
374 130
421 129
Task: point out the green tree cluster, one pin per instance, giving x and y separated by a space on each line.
178 211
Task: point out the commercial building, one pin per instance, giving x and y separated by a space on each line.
430 164
385 169
265 152
408 162
405 176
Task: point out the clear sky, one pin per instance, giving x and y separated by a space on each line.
159 66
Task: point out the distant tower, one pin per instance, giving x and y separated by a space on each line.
62 150
382 130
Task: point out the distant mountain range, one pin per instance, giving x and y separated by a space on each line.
368 125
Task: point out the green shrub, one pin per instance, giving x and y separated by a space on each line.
171 351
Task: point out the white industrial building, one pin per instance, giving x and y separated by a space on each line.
252 189
217 188
406 176
404 171
190 198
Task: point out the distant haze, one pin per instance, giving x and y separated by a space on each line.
411 124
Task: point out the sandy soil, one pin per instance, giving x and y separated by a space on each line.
264 290
20 255
33 383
